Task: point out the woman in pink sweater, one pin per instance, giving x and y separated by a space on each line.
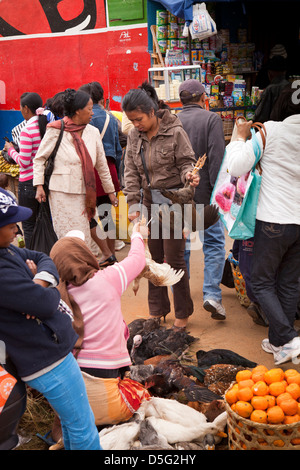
30 139
94 295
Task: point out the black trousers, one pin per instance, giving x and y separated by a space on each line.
26 195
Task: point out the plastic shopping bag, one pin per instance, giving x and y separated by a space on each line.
43 236
237 197
202 26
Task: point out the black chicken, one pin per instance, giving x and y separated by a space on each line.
222 356
171 376
159 342
141 326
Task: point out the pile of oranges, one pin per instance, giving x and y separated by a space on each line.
270 396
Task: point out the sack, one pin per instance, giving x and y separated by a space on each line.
227 278
50 162
202 26
43 236
237 197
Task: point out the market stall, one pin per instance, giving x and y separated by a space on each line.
227 61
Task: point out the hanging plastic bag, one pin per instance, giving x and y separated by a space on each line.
7 383
43 236
202 26
237 197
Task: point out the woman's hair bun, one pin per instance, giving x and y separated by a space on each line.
69 95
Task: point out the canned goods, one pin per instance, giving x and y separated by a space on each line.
194 55
173 31
171 43
162 44
161 32
182 43
161 17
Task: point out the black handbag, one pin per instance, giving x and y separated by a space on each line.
43 235
50 162
157 197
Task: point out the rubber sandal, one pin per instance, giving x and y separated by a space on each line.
47 438
108 262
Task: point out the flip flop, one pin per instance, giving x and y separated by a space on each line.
108 262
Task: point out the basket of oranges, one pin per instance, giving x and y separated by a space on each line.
263 408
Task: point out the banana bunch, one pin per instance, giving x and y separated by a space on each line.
6 167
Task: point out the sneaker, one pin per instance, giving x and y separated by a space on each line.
216 308
119 244
268 347
288 352
257 315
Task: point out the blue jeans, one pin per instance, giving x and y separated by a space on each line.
65 391
213 239
275 277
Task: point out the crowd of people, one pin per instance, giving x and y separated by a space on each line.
67 318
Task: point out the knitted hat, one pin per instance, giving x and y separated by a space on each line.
279 49
10 212
194 87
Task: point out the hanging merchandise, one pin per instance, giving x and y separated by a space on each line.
237 197
202 26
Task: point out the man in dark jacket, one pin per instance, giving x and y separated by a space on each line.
205 131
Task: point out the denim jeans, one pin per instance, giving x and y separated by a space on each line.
65 391
275 277
213 239
26 198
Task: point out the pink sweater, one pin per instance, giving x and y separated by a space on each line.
30 140
105 331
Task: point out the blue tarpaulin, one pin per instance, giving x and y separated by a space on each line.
180 8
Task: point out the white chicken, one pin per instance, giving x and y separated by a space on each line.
171 421
160 274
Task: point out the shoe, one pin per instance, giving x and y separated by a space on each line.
119 244
216 308
288 352
160 316
257 315
268 347
108 262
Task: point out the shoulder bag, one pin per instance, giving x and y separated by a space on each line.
50 162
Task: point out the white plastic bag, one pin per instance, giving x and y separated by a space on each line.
202 26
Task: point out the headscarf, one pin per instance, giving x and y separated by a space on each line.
75 264
86 162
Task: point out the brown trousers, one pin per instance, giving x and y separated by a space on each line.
170 250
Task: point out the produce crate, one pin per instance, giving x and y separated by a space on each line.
244 434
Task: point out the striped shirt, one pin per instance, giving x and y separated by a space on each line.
30 140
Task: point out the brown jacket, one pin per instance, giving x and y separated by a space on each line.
168 155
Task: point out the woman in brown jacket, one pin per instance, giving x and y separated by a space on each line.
169 160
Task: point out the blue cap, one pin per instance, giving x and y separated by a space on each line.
10 212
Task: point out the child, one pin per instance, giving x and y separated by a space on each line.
4 185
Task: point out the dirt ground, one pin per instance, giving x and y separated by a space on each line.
238 332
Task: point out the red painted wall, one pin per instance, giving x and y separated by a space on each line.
52 62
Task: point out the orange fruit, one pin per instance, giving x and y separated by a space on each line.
243 375
294 390
293 379
233 407
275 415
274 375
299 411
290 372
259 416
276 388
243 408
245 383
258 375
244 394
260 388
289 406
295 441
259 403
283 396
291 419
231 396
260 367
271 400
278 443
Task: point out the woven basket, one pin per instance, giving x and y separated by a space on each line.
244 434
240 285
